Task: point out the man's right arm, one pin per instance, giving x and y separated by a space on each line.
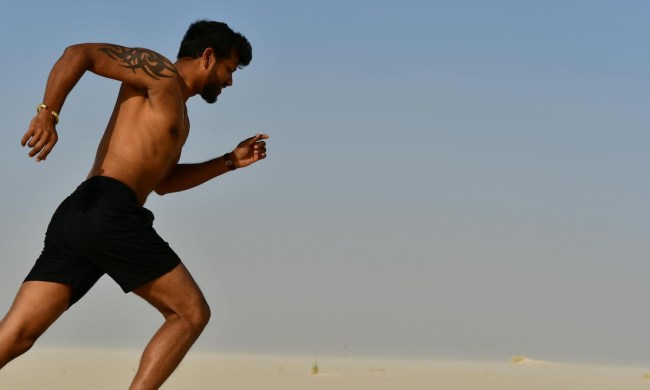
139 67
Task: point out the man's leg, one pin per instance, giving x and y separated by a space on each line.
186 313
36 307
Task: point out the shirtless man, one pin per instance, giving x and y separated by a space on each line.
103 227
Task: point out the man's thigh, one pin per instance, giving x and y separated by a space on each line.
176 292
36 306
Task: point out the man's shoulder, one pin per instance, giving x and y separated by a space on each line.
136 66
152 63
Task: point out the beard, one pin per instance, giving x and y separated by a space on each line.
211 90
210 94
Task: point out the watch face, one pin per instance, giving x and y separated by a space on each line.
229 164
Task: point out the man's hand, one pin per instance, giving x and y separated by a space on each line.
41 135
249 151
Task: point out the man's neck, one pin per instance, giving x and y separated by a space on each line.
188 84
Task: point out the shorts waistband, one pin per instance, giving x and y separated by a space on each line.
112 185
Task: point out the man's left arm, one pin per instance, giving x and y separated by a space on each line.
185 176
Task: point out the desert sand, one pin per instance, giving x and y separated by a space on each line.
82 369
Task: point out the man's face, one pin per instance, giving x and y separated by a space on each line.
219 77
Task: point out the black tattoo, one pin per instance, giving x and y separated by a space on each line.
152 63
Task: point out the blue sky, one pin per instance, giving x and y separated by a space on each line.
445 178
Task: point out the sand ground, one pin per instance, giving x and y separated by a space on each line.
59 369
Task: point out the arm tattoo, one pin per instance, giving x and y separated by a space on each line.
152 63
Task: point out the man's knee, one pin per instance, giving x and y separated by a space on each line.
199 316
177 297
15 341
195 315
23 343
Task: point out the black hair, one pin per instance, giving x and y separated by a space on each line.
218 36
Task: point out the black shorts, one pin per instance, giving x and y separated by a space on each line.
100 229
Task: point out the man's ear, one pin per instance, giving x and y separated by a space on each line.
208 57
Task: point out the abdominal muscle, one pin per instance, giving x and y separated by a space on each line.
141 144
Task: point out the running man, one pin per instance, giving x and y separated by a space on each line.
103 228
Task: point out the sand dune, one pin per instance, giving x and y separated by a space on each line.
58 369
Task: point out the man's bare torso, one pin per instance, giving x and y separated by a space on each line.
144 138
